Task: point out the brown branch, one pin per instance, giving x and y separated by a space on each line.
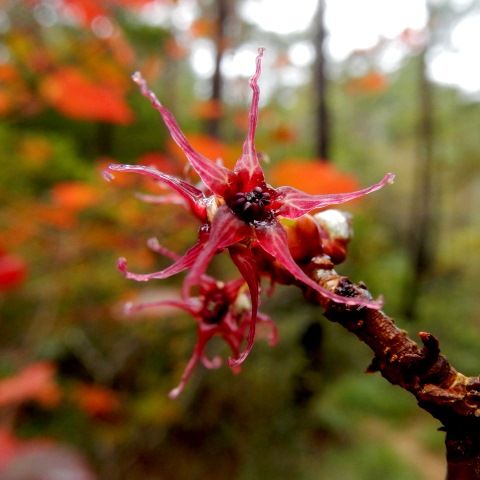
448 395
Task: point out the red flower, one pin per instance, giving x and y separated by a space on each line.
221 309
239 210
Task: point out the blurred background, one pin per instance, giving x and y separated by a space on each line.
349 91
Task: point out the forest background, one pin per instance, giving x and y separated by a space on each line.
345 98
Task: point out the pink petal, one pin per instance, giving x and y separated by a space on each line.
226 229
245 262
211 363
233 287
178 266
154 245
169 199
196 356
248 165
296 203
234 344
193 196
273 337
190 307
215 177
273 239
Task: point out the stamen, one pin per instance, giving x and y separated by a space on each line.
252 206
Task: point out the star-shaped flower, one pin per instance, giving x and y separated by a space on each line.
239 210
222 310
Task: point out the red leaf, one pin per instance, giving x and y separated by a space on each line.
75 195
13 271
97 401
76 96
312 176
34 382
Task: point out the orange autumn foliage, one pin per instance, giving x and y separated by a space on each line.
313 177
96 401
160 162
55 216
202 27
210 147
85 10
34 383
5 103
372 82
8 73
35 151
209 110
76 96
284 134
74 196
175 50
9 446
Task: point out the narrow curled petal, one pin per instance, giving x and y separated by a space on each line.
234 341
192 195
215 177
273 337
154 245
226 230
211 363
273 239
232 288
196 356
184 262
168 199
248 163
189 306
296 203
245 262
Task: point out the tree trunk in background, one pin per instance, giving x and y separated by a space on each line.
322 116
222 14
421 229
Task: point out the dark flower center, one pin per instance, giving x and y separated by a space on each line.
215 306
252 206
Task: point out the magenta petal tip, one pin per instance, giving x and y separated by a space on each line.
107 176
236 362
137 77
390 178
122 264
128 308
153 243
173 394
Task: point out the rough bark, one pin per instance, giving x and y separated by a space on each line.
448 395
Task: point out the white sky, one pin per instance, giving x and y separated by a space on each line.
353 25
